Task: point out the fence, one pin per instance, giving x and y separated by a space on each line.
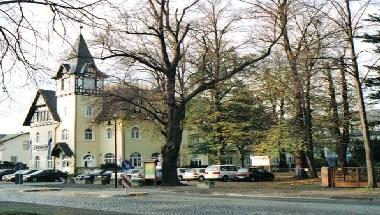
348 177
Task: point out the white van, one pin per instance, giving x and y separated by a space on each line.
223 172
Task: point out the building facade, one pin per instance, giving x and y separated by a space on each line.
65 130
15 148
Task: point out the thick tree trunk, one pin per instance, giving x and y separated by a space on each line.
346 108
308 130
335 121
217 130
297 86
361 105
170 151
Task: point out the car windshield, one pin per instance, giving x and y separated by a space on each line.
242 170
96 171
212 168
37 172
20 171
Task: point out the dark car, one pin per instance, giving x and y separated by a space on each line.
46 175
93 174
253 174
6 172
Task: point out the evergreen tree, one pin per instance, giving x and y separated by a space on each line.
374 82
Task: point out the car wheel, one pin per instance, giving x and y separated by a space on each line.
34 180
271 178
180 178
225 178
201 178
252 179
61 179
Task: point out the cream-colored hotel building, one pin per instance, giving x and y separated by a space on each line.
65 131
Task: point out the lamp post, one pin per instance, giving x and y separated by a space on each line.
115 118
115 134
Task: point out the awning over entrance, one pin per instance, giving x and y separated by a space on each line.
61 147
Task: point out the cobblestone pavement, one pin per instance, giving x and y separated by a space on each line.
180 200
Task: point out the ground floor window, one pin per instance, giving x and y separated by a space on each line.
136 159
50 164
89 161
228 160
14 159
109 158
65 161
37 162
195 163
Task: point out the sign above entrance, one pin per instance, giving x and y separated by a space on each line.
40 147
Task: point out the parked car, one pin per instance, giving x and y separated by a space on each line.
137 173
220 172
46 175
12 177
194 174
253 174
92 175
6 172
180 172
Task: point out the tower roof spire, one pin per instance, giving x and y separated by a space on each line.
80 54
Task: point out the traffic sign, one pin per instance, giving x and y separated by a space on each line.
126 165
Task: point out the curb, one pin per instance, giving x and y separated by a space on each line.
41 190
306 198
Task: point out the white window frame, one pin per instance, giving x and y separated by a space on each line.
65 161
109 158
90 159
228 160
109 134
38 137
37 162
65 135
136 159
89 132
135 133
88 111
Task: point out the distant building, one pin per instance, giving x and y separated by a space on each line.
15 148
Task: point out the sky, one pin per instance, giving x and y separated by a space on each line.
14 110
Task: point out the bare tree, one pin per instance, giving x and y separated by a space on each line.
157 44
345 22
21 34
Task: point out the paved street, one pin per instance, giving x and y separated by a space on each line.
165 202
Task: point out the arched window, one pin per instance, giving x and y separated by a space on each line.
89 160
135 133
88 134
109 133
65 134
136 159
109 158
37 137
88 112
37 162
